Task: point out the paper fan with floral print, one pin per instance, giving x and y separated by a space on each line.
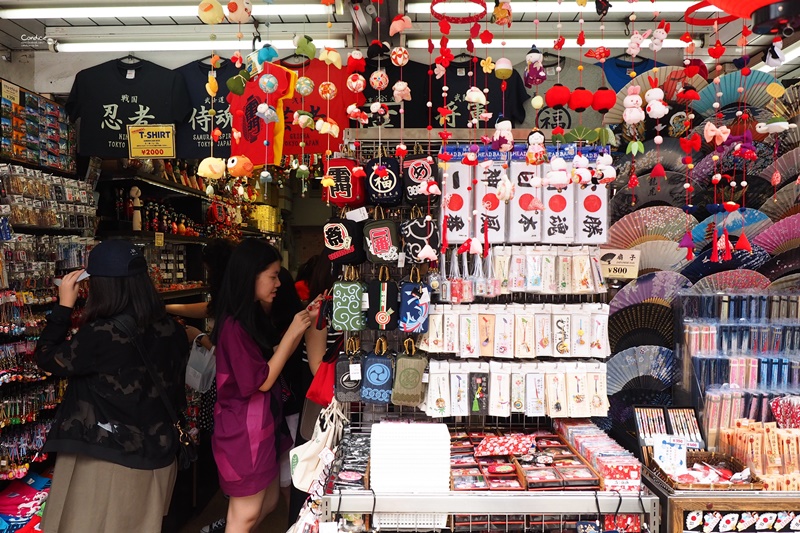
752 221
755 86
659 223
782 265
670 79
731 280
650 192
788 284
784 204
660 255
656 287
781 237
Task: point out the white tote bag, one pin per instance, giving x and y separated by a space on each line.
309 460
201 368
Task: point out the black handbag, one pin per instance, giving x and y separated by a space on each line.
187 446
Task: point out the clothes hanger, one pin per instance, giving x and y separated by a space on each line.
626 58
464 55
129 59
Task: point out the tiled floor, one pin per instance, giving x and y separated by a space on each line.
277 522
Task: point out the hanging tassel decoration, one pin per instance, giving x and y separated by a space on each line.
743 244
688 243
728 255
715 247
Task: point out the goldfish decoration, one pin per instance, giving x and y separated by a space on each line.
240 166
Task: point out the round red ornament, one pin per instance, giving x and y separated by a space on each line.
580 99
557 96
604 99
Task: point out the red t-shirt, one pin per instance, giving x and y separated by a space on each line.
252 127
319 72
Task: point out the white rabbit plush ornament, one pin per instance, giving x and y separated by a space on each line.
635 44
605 168
580 170
505 189
656 106
558 176
633 113
659 36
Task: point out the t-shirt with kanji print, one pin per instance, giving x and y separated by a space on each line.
316 142
459 82
112 95
254 130
193 136
415 111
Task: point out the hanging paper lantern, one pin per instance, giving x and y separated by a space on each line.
604 99
304 86
327 90
356 82
268 83
580 99
503 69
399 56
557 96
379 80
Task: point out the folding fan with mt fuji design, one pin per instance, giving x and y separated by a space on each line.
703 266
659 256
752 221
657 287
782 265
785 204
670 80
731 280
788 165
643 367
755 87
781 237
660 223
756 193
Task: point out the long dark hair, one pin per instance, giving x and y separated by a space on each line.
236 298
133 295
323 276
216 255
287 302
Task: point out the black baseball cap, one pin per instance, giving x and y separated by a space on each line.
115 259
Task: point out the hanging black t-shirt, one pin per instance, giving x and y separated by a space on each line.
459 82
112 95
414 110
193 136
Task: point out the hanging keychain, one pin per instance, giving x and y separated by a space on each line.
454 279
467 283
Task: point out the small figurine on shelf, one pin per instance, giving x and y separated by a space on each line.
137 208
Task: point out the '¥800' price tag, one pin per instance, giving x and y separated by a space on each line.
619 264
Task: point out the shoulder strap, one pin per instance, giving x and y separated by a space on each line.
127 324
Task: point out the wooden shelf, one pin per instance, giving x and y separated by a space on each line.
40 230
150 236
164 184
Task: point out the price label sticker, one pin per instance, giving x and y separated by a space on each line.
357 215
355 372
326 456
620 264
159 240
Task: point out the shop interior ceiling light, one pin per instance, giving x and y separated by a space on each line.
185 11
526 43
663 6
171 46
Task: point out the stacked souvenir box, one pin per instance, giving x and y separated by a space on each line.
618 468
36 130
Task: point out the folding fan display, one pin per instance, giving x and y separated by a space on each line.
639 325
621 419
657 287
787 105
731 117
781 237
670 80
756 193
788 165
754 85
788 284
787 141
753 221
642 367
671 156
731 280
785 204
647 194
729 164
703 266
782 265
659 223
659 256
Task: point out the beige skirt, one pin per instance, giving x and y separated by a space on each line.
90 495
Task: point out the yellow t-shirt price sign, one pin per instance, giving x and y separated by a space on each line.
151 140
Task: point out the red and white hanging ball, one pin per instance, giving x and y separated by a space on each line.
328 90
399 56
356 82
379 80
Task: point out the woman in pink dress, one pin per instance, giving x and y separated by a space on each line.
249 431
